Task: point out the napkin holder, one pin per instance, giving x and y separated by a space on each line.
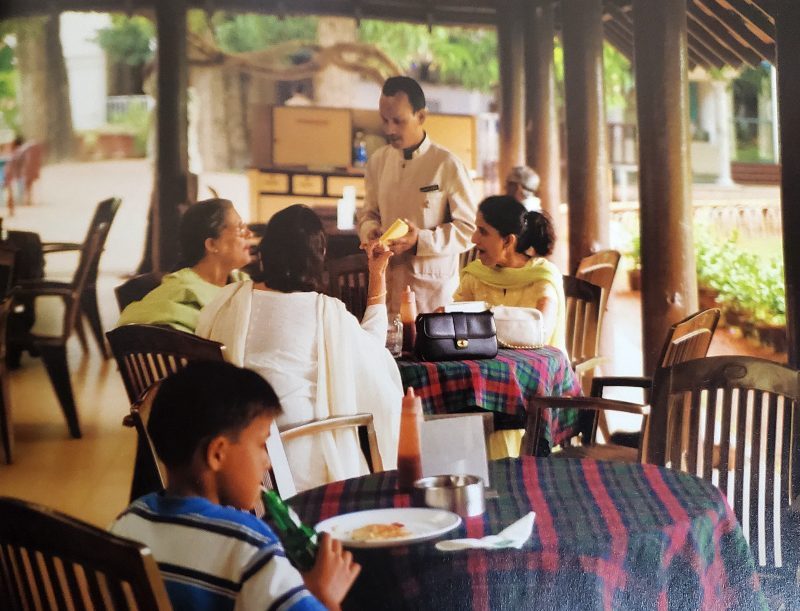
455 446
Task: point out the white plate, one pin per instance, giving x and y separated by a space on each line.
421 522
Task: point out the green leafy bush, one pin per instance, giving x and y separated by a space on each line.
747 283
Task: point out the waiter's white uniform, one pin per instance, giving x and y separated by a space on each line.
434 191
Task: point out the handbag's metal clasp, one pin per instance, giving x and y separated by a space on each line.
462 343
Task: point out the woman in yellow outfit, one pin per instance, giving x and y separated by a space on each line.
511 270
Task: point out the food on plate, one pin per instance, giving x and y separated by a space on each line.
397 230
380 532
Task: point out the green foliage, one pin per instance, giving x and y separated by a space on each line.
129 40
618 76
135 121
449 55
747 283
237 33
9 109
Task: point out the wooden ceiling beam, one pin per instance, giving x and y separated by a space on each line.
755 19
728 55
618 38
696 40
714 29
734 24
765 6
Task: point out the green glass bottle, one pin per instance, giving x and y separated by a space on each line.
299 541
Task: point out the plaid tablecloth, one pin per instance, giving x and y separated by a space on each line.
503 385
606 536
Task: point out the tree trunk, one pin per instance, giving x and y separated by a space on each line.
333 86
44 90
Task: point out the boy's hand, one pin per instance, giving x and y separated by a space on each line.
333 573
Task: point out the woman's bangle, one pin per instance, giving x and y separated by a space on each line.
378 296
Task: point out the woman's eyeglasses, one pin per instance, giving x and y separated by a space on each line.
241 229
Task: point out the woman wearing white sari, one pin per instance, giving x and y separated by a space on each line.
315 354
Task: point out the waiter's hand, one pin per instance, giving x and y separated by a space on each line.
372 239
407 242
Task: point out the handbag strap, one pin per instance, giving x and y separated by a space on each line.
460 325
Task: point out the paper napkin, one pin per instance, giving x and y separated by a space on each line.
514 535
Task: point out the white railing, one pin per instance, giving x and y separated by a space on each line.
118 105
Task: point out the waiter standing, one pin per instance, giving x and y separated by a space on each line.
417 180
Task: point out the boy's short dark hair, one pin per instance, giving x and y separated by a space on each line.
202 401
406 84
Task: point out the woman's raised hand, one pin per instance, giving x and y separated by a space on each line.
377 257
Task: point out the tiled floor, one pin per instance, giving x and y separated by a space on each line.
90 477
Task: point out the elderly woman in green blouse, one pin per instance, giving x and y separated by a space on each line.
214 243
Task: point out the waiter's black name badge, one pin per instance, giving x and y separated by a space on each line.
429 189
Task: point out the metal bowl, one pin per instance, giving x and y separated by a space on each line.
461 494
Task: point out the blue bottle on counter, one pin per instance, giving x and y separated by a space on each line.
359 150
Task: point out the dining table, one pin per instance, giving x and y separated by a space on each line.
502 385
605 536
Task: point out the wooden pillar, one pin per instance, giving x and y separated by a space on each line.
787 25
172 119
511 47
587 160
669 278
542 120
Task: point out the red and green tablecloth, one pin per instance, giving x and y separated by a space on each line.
606 536
502 385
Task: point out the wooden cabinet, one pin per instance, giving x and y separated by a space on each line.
273 189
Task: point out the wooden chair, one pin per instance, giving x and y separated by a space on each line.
6 425
134 289
50 333
348 279
687 339
52 561
363 422
752 406
146 354
279 471
467 257
104 213
600 269
584 317
8 256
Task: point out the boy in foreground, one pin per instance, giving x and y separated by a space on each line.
209 424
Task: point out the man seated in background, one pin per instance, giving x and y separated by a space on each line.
521 184
209 425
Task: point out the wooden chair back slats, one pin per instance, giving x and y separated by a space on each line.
348 279
51 561
582 318
690 338
600 269
136 288
362 422
148 353
733 421
467 257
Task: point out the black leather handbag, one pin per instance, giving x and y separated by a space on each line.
455 336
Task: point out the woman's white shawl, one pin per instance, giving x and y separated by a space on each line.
355 373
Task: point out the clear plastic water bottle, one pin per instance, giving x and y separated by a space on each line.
359 150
